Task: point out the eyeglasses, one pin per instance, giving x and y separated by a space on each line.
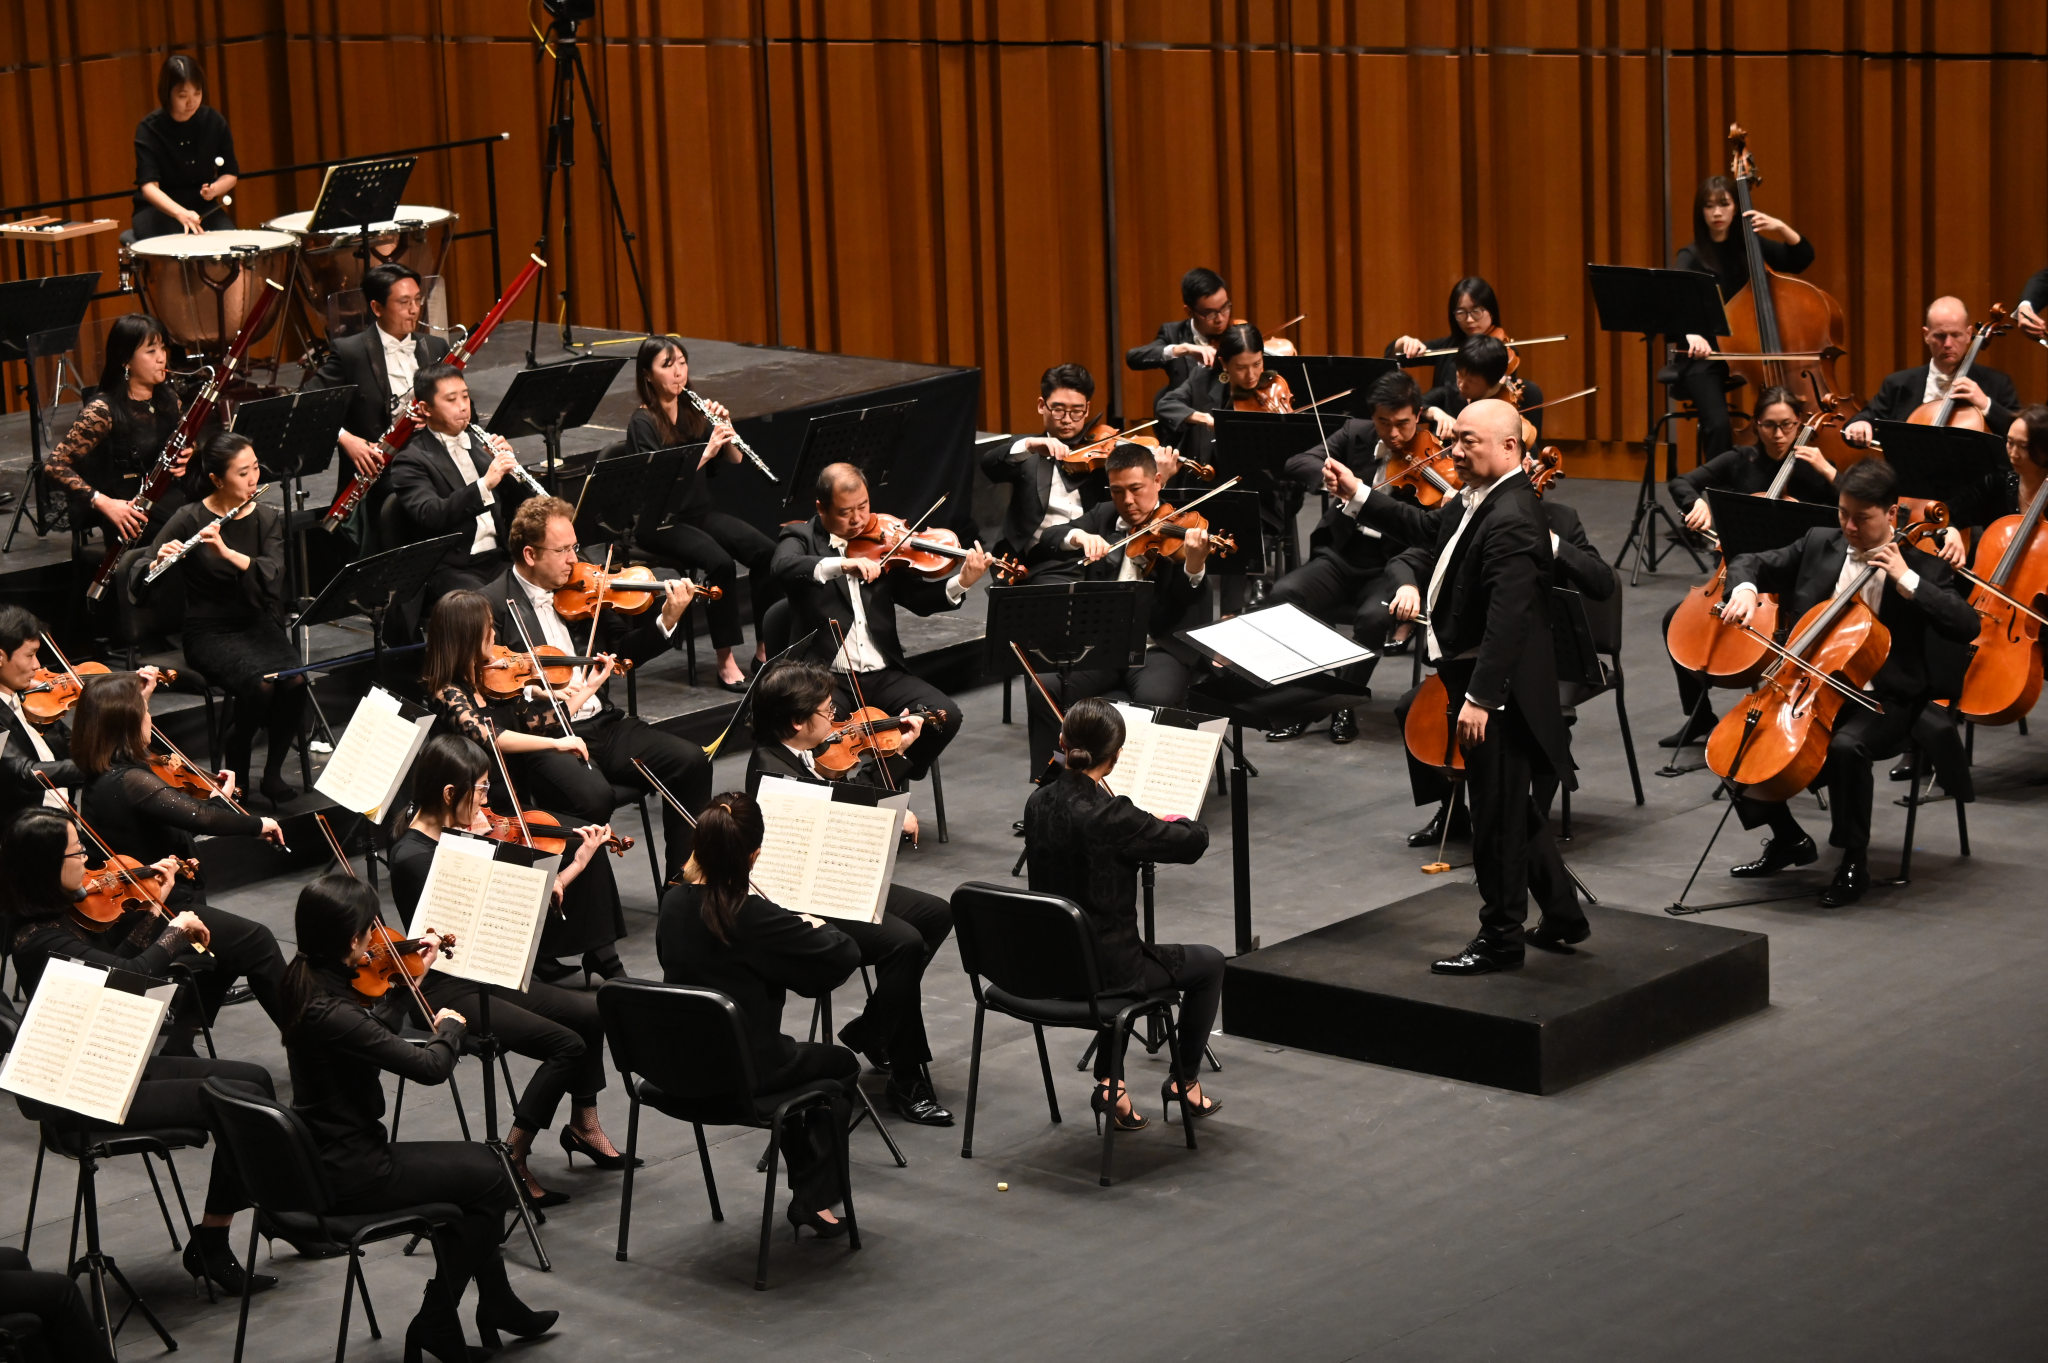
1065 409
1777 426
1223 311
80 854
1471 314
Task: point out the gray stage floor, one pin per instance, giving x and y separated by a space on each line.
1856 1173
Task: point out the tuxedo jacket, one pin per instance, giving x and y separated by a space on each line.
1803 574
19 788
798 551
359 359
635 638
1575 562
1902 391
1203 390
1453 402
434 500
1177 603
1495 600
1152 355
1355 445
1029 475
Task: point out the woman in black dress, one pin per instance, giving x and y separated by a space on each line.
557 1027
129 806
120 431
1716 249
45 878
703 536
340 1044
1473 310
459 638
234 604
715 933
1087 845
184 157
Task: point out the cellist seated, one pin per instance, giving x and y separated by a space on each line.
1912 594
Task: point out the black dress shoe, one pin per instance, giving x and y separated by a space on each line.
1432 833
1695 731
1343 726
1017 829
1778 854
1286 731
854 1037
919 1104
1902 772
1558 937
1852 878
1480 957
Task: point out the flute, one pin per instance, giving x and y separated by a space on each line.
184 547
742 446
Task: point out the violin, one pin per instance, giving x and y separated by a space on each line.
2004 676
889 540
1166 535
629 591
379 966
508 671
122 883
1272 395
176 771
867 730
1089 459
1423 465
50 695
508 828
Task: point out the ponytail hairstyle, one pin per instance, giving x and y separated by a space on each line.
729 832
332 912
448 760
33 888
1239 338
1092 734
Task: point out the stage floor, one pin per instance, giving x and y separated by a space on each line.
1856 1172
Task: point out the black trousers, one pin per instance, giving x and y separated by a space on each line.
557 1027
1430 786
169 1096
150 221
560 781
1701 382
240 948
1162 679
899 947
718 543
461 1172
893 689
810 1139
1200 981
1513 854
1860 739
68 1333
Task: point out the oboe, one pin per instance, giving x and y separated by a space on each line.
184 547
498 442
742 446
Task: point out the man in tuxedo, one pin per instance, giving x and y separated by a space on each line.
1914 596
1042 493
1479 583
848 606
542 538
450 479
1948 334
1189 344
29 750
381 361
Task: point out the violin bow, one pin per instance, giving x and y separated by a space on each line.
1313 405
677 805
1789 656
1045 694
1123 434
1552 402
540 675
597 610
860 701
1510 344
334 846
193 767
107 852
518 811
910 533
1149 526
63 662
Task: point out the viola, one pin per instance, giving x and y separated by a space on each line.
50 695
122 883
888 540
508 671
1167 536
2004 676
1272 395
629 591
379 966
1423 466
867 730
507 828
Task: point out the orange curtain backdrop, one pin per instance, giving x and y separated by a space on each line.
1010 185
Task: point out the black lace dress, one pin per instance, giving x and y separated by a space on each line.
233 633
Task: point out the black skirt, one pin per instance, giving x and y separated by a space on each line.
240 657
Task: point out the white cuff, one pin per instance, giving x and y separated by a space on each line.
1195 578
1909 585
1356 501
954 590
828 570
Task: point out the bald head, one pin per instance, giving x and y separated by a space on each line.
1947 333
1948 310
1487 441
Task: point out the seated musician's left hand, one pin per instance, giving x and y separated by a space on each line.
1472 725
677 593
225 779
974 566
1815 460
1195 550
1890 560
1966 390
913 725
1951 551
1167 460
1443 421
151 676
593 836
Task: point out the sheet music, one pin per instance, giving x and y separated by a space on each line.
496 909
83 1044
1165 770
374 755
1278 644
825 857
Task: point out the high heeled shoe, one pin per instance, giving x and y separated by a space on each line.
603 963
209 1260
1169 1099
277 790
825 1230
549 1197
573 1145
515 1318
437 1330
1103 1101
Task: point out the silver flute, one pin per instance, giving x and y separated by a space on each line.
742 446
184 547
499 442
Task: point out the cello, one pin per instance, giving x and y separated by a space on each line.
1782 331
1945 411
2011 579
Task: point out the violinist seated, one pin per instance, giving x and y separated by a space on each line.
2031 313
543 543
794 714
1914 597
381 362
128 418
1044 490
48 909
1574 564
1747 469
28 748
847 605
1947 333
1182 347
1473 309
1345 578
461 653
1238 380
451 479
556 1027
1482 372
1179 600
130 806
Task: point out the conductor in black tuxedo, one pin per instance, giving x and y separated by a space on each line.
1480 584
381 361
1947 333
794 713
451 478
1184 346
1915 599
1043 493
543 545
827 587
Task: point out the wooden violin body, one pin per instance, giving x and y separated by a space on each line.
933 553
508 671
1273 395
1431 728
1168 538
866 730
2004 677
629 591
388 955
122 883
177 772
1423 466
51 694
543 832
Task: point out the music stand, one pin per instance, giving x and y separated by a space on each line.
1256 446
865 437
1066 624
1958 467
621 491
1320 376
1655 303
356 194
30 308
551 399
372 586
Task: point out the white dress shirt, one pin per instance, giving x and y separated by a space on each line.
1130 569
51 799
804 756
860 653
457 447
1853 565
1937 385
1470 498
401 365
1062 499
555 630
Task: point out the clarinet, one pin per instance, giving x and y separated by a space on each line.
742 446
499 442
179 447
184 547
413 413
